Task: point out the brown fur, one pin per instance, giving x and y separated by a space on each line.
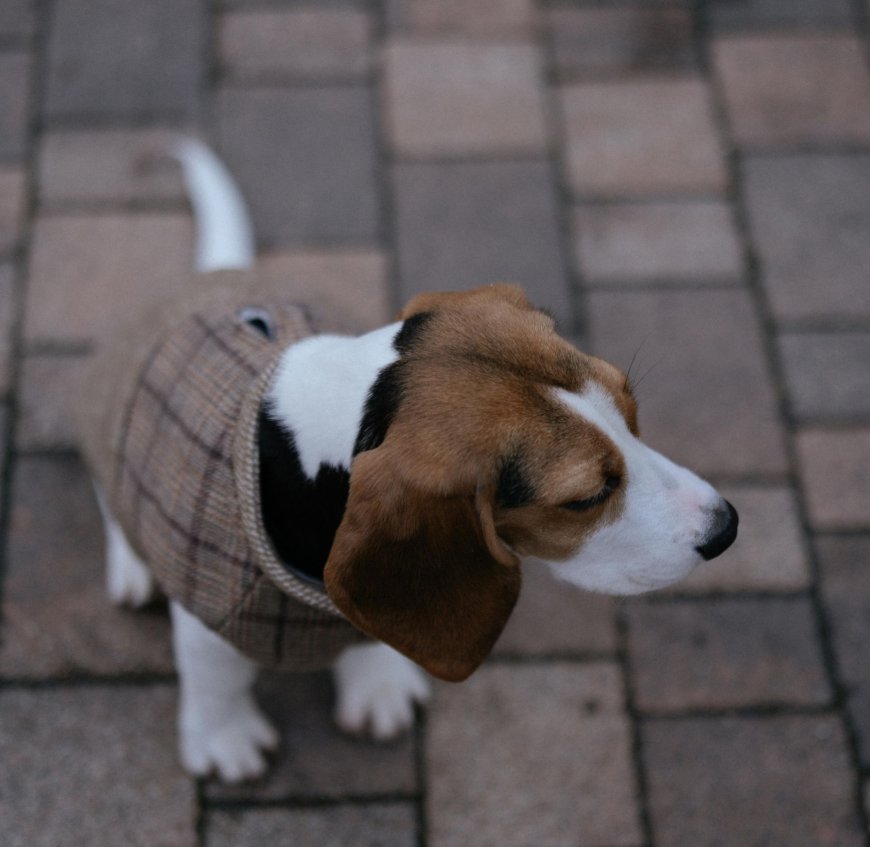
421 559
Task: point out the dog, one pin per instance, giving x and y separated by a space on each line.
305 497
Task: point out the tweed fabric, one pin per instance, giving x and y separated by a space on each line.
175 454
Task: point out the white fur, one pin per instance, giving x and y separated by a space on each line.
376 689
220 727
324 423
224 238
667 513
128 580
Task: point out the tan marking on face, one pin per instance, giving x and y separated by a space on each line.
479 387
571 463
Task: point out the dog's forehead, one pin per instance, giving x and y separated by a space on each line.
486 335
476 343
488 341
488 388
581 436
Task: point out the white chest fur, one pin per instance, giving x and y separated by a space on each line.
320 390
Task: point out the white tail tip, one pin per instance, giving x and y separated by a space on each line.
225 238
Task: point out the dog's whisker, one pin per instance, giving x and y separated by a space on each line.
629 385
636 384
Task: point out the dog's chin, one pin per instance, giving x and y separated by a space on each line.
622 581
644 585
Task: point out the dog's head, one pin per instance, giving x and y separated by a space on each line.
500 440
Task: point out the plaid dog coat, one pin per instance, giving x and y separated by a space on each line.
167 418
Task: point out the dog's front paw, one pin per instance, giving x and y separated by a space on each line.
233 749
376 691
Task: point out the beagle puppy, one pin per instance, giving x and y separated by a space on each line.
407 473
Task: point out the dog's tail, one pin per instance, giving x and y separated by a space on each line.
224 236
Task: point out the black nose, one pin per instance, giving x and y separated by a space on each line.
722 532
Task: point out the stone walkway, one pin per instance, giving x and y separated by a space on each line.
684 181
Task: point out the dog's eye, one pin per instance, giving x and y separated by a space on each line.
611 483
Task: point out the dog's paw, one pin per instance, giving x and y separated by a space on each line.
235 750
376 691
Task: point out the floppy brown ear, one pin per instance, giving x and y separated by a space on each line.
422 572
505 291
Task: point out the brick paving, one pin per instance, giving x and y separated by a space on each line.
687 181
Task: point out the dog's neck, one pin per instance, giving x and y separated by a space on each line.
320 390
309 428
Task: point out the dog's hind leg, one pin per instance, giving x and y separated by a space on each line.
220 726
128 580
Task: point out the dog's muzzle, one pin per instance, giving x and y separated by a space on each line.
723 531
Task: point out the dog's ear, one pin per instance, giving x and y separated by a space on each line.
420 570
503 291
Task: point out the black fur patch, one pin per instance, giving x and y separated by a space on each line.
410 332
380 409
386 391
514 488
300 515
